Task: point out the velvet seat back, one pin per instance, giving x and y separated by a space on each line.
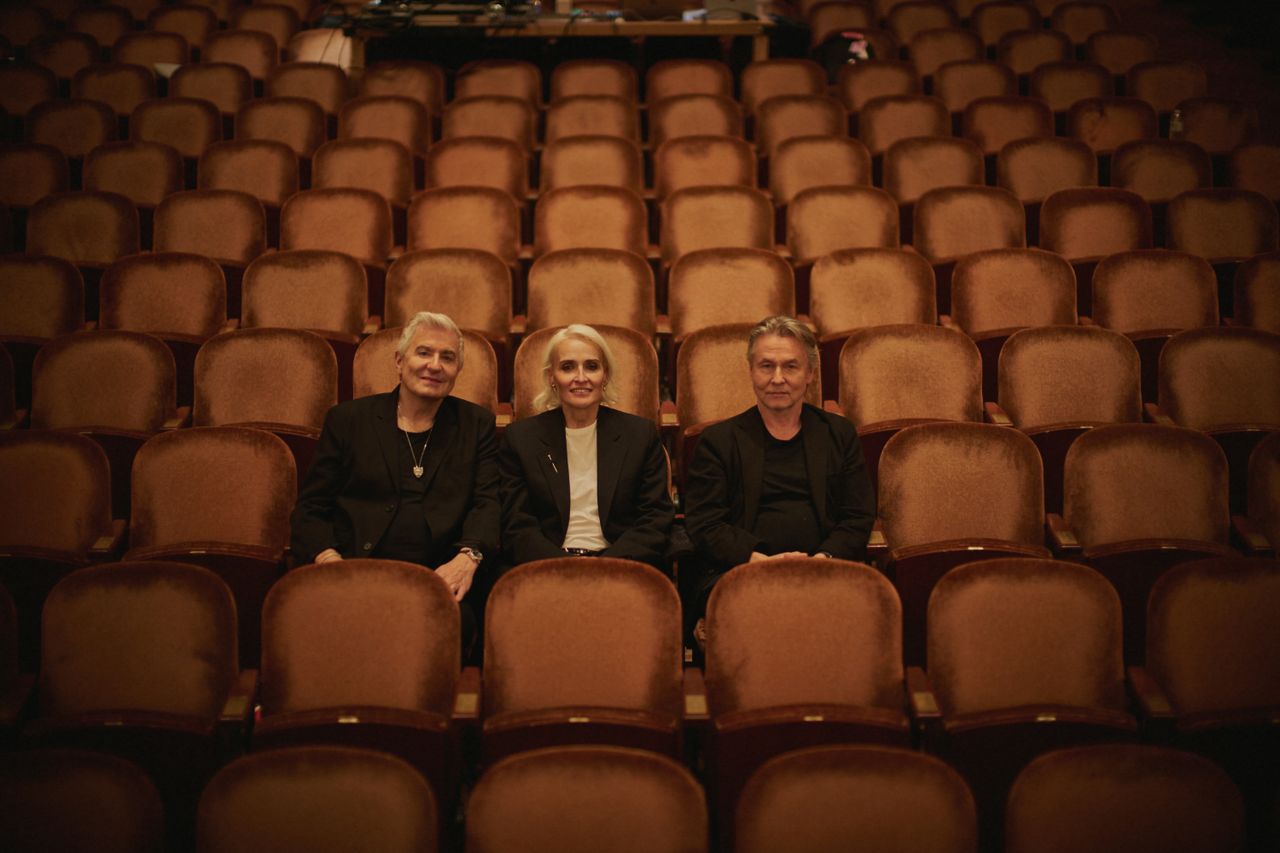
500 77
672 77
577 799
1092 222
1061 84
802 162
213 484
479 161
573 77
843 797
954 221
1126 482
590 217
224 84
471 286
465 218
1214 377
1010 288
59 494
693 114
571 632
1012 632
994 122
715 217
188 125
1152 289
884 120
396 117
1211 634
84 227
143 172
374 369
1223 223
133 383
381 165
360 633
938 42
1104 124
263 168
947 481
1264 486
1120 50
591 286
164 293
224 225
322 82
423 82
256 52
592 160
147 636
268 375
912 167
305 289
803 631
592 115
319 798
1035 168
765 79
354 221
784 117
822 220
498 116
1257 292
149 47
702 160
715 286
1159 169
1026 50
30 171
1256 166
1165 83
857 288
890 373
40 297
297 122
1069 374
858 83
74 126
1138 798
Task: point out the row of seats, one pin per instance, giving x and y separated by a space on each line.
1024 655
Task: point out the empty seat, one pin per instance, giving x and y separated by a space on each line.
802 162
499 116
90 229
859 82
24 85
380 165
713 286
29 171
1257 293
697 161
1256 167
1165 83
1033 169
356 222
63 53
321 82
465 218
422 82
591 115
907 19
479 162
763 79
396 117
950 222
671 77
297 122
121 87
277 20
228 87
590 217
715 217
1159 169
993 21
592 286
912 167
1218 125
884 120
1084 225
73 126
1105 124
960 82
693 115
262 168
784 117
227 226
821 220
574 77
500 77
1061 84
194 22
590 161
1222 224
932 47
149 49
1026 50
1118 51
255 52
1079 21
994 122
143 172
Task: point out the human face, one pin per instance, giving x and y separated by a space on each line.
577 371
429 367
780 373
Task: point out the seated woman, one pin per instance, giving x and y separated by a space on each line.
581 478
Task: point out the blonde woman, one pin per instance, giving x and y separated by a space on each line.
582 478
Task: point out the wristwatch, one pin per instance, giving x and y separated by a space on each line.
473 553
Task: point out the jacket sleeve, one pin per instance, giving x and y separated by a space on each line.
707 506
522 537
311 523
483 522
645 539
851 502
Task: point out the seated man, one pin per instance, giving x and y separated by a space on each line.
782 479
408 475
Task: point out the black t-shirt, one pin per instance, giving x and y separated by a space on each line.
786 520
408 538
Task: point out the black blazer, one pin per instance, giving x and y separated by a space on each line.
726 477
352 489
635 507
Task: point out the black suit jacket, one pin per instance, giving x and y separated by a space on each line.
635 507
726 478
352 488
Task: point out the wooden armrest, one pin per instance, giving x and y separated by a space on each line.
1153 703
996 414
920 698
504 416
1085 320
394 254
525 253
239 705
945 320
111 544
663 326
652 252
372 323
466 704
1061 537
832 407
695 697
231 324
1252 540
519 324
667 412
876 543
783 250
181 418
1156 415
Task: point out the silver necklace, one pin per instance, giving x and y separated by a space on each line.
417 463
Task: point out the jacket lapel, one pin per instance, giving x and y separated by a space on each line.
750 433
555 462
815 457
384 423
444 432
609 459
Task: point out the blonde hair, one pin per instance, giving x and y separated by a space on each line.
431 321
547 398
785 327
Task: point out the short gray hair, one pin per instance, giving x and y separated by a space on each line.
785 327
431 321
547 398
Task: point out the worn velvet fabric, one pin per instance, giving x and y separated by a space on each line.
187 125
266 376
53 799
1104 124
590 217
858 83
673 77
803 631
74 126
1034 168
354 221
496 116
164 293
1219 125
147 636
595 632
715 286
30 171
39 297
763 80
132 388
933 37
579 799
635 362
318 799
1130 797
821 220
581 161
1257 292
322 82
1069 374
1154 289
1013 632
1166 83
1061 84
634 502
593 286
486 161
144 172
28 85
724 482
1159 169
857 288
1223 223
380 165
1091 222
348 496
371 633
787 116
297 122
1026 51
58 496
715 217
306 289
1264 486
225 225
1256 166
692 114
993 122
1123 482
212 484
386 116
591 115
500 77
954 221
256 51
1120 50
1212 378
856 798
148 47
944 481
801 162
910 371
914 166
465 218
264 168
421 81
959 82
1212 635
227 86
884 120
469 285
694 159
573 77
1010 288
84 227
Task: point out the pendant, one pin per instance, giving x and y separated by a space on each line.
417 471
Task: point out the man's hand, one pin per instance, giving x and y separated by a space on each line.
326 556
756 556
458 573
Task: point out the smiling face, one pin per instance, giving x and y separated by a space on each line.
578 374
780 373
429 367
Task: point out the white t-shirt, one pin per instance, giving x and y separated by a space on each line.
584 504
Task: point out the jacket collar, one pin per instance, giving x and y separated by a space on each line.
443 434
